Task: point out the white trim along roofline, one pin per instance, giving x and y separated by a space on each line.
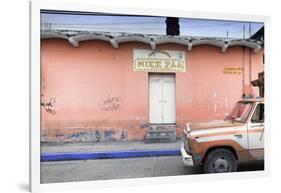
153 40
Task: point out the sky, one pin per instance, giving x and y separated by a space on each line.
149 25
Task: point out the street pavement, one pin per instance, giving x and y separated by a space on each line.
104 169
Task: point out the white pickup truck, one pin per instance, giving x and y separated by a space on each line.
220 145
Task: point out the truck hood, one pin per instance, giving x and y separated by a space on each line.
195 126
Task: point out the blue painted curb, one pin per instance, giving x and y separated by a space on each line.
45 157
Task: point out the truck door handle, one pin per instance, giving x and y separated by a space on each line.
238 136
260 125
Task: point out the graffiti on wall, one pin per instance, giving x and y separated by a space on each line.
109 135
111 103
48 105
123 135
82 135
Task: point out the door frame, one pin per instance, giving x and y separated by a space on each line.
148 98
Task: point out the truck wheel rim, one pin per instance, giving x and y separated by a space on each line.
220 165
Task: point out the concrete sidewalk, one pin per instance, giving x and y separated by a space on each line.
107 150
105 146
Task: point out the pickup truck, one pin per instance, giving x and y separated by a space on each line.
220 145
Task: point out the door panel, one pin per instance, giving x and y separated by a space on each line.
155 107
168 97
256 132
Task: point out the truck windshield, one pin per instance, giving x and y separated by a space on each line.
241 111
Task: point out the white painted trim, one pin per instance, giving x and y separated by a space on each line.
74 40
49 34
254 45
208 42
134 38
167 39
114 43
153 45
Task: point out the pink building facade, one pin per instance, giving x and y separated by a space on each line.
92 92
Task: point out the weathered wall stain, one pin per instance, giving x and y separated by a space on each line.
111 103
146 125
98 135
109 135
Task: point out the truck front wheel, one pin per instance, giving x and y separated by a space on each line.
220 160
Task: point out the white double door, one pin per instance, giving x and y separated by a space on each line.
162 99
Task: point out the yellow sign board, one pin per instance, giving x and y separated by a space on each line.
233 70
159 60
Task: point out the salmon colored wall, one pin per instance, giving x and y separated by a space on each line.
98 94
205 92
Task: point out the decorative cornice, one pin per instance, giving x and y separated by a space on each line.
153 40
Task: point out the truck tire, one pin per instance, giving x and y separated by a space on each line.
220 160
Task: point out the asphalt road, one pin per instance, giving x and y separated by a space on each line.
89 170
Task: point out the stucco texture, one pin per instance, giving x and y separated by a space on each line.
98 96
